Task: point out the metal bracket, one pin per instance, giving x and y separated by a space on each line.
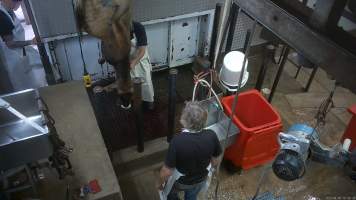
4 104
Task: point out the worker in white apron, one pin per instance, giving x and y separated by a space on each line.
140 63
21 62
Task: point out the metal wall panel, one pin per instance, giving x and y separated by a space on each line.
145 10
54 17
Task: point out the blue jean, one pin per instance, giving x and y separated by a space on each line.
190 193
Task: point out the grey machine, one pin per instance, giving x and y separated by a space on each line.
27 136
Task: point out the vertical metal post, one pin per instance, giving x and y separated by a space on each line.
234 13
268 56
100 100
247 45
310 81
279 73
215 32
41 47
282 53
224 33
298 71
137 108
172 103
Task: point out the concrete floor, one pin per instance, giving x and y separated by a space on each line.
137 177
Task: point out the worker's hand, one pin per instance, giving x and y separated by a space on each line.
132 65
34 41
101 61
159 186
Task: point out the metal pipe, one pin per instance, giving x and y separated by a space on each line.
247 46
100 101
172 103
137 108
234 13
282 53
223 37
268 56
56 64
298 71
224 24
41 47
215 32
279 73
310 81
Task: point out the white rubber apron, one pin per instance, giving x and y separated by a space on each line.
163 194
168 186
143 70
24 72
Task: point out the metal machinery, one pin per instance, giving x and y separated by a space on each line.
301 143
28 136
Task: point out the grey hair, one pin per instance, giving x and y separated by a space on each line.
193 116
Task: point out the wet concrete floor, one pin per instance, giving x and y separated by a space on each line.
138 178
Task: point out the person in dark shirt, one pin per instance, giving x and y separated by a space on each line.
140 63
190 153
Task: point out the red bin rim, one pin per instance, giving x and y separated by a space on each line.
273 124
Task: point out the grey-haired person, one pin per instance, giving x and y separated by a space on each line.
190 153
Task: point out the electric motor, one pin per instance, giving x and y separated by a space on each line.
289 164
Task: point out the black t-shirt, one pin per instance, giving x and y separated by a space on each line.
6 25
191 153
140 34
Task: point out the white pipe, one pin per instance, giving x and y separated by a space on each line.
222 24
202 82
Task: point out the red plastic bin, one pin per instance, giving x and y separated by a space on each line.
350 132
259 125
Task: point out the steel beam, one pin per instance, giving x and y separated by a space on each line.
336 61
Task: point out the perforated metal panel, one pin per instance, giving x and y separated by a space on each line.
145 10
244 23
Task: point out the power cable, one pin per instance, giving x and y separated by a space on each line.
86 76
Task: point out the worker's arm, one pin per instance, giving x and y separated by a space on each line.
138 55
215 162
164 174
169 165
10 43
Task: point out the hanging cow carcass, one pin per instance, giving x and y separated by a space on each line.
110 21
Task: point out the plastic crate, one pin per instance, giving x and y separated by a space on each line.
350 132
259 125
